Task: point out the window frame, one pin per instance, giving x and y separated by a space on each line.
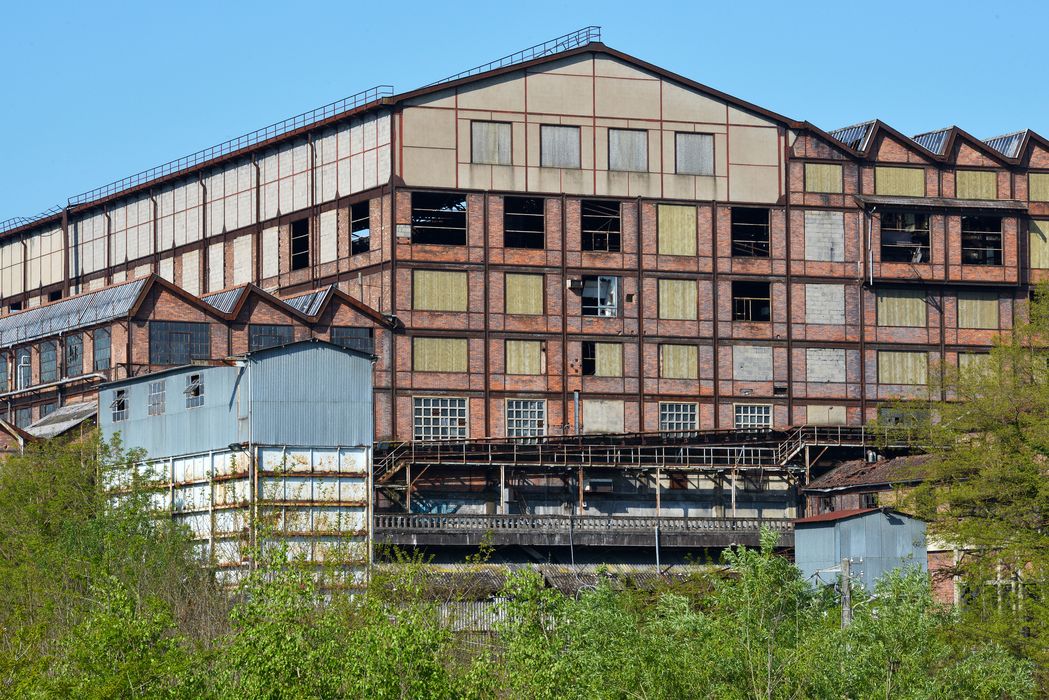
96 346
608 137
463 420
579 147
48 352
169 356
589 237
601 309
73 355
275 331
746 409
194 391
670 413
156 398
360 243
473 150
997 259
443 218
517 235
518 427
677 153
368 347
299 259
923 252
745 307
120 406
739 245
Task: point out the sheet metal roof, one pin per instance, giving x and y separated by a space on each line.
63 419
854 136
70 314
858 472
943 203
933 140
834 515
309 303
1008 144
224 301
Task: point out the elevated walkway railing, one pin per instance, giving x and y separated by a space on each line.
478 523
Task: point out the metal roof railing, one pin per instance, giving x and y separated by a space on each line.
19 221
266 133
580 37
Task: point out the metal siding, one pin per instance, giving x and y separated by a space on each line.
628 150
559 146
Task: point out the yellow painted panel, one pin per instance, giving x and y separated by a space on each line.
973 361
679 361
524 294
902 308
1039 244
1038 187
902 367
435 290
439 354
677 229
976 184
608 359
977 310
677 300
524 357
901 182
823 177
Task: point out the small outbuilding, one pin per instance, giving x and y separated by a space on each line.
874 540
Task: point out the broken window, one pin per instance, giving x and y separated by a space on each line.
23 368
119 405
694 154
54 295
601 359
559 146
353 338
524 222
156 399
438 218
439 418
600 296
490 143
268 336
628 150
905 237
300 244
101 349
751 301
74 351
678 416
48 362
525 417
750 233
981 240
360 227
194 391
14 306
869 500
826 504
601 225
178 342
749 416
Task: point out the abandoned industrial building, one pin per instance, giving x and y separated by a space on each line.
610 306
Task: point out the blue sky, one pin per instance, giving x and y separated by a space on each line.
95 91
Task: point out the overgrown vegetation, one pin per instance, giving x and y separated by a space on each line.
103 600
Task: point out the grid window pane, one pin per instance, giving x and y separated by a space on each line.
194 391
48 363
437 418
268 336
156 398
4 379
353 338
24 417
753 416
678 416
101 349
119 405
600 296
23 368
74 364
525 417
178 342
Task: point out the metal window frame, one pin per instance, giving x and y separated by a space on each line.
360 243
747 409
592 234
579 147
73 352
602 308
120 405
521 428
537 232
419 431
921 253
270 330
608 137
162 350
987 247
743 306
194 391
672 410
369 347
473 155
755 241
419 213
48 352
108 345
295 256
156 398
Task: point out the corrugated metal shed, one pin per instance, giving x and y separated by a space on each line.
70 314
63 419
854 136
1008 144
933 140
225 301
309 303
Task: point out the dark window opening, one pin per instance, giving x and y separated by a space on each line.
194 391
48 363
981 240
589 358
903 417
826 504
905 237
750 233
353 338
14 306
101 349
524 222
678 481
268 336
55 295
119 405
601 225
300 244
868 500
178 343
601 296
360 228
751 301
438 219
74 363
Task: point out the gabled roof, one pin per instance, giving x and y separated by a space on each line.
309 303
317 300
934 141
63 419
224 301
834 515
1008 144
856 136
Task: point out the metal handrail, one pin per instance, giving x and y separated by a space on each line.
563 523
20 221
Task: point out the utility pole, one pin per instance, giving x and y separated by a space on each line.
846 594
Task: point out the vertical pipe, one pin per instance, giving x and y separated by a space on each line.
575 399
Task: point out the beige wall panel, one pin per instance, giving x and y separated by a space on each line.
383 164
429 166
191 272
739 116
560 94
11 264
683 104
754 145
612 67
329 236
242 267
603 416
268 185
505 94
216 267
371 170
166 268
270 252
753 183
445 98
506 178
429 127
1039 244
825 415
628 99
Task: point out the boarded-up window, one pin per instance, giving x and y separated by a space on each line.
977 310
1039 244
1038 185
490 143
752 363
679 361
825 365
677 229
603 416
976 184
524 294
693 154
825 235
435 290
902 307
903 182
902 367
559 146
825 303
677 300
602 359
439 354
524 357
823 177
973 361
628 150
826 415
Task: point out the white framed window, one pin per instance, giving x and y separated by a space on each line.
119 405
439 418
678 416
525 417
194 391
600 296
156 398
752 415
